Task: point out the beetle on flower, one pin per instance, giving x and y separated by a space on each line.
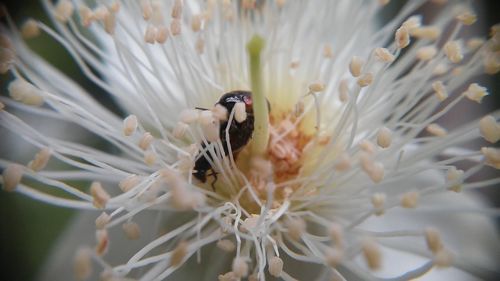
348 170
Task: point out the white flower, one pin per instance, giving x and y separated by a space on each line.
347 170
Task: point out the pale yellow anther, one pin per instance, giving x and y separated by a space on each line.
41 159
12 175
476 93
130 125
102 220
99 195
30 29
440 69
150 34
384 55
443 258
426 32
22 91
86 15
384 137
378 202
296 228
336 233
109 22
196 23
147 9
492 156
175 27
383 2
356 65
132 230
149 158
453 51
333 256
433 240
436 130
426 53
474 43
179 254
371 253
328 51
316 87
129 182
102 239
240 113
226 245
157 17
344 90
280 3
228 276
375 170
491 63
209 125
440 90
180 130
294 64
490 129
344 162
115 6
412 22
100 13
467 18
82 264
248 4
402 37
63 10
456 71
275 266
177 9
454 176
240 267
200 45
146 141
367 146
410 199
365 79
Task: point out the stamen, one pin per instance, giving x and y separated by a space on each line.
21 90
317 87
436 130
210 126
374 170
102 220
328 51
30 29
371 253
356 65
402 37
426 32
175 27
443 258
275 266
130 125
410 199
378 201
177 9
180 130
149 158
474 43
490 129
426 53
455 176
384 137
220 112
492 156
102 239
178 254
196 23
344 90
439 90
147 9
63 10
132 230
200 45
365 80
226 245
296 228
12 175
189 116
333 256
467 18
433 240
412 22
109 23
86 15
476 93
129 182
240 267
99 195
343 162
146 141
41 159
150 34
453 51
82 264
384 55
336 233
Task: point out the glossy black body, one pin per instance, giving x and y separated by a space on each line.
239 133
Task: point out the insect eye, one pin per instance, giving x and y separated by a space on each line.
248 101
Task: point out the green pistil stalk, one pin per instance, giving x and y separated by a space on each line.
260 111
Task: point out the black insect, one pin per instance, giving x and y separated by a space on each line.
239 133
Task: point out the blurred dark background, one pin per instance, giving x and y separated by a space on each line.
28 228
